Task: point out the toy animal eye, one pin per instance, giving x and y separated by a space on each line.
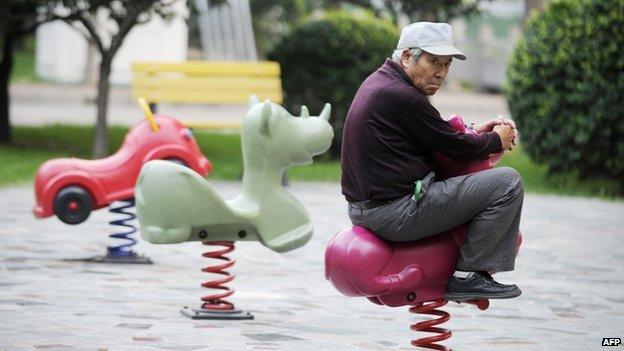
188 134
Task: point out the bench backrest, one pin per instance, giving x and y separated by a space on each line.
208 82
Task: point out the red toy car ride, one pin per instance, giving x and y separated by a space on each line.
71 188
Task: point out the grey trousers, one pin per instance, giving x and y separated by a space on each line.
490 201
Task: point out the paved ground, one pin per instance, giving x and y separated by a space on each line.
35 104
570 269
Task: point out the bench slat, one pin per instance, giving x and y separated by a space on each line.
213 83
207 82
210 68
193 96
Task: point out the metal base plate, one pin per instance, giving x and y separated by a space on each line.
215 314
132 258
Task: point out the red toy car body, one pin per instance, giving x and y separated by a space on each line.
71 188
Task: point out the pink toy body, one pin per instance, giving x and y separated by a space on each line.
359 263
93 184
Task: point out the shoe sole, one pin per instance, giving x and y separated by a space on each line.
477 296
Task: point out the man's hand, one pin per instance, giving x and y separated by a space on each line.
506 134
489 126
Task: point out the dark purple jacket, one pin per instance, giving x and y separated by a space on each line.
390 134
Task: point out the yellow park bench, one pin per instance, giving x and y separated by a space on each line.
206 82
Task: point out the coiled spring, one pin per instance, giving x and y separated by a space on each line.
123 250
216 301
428 326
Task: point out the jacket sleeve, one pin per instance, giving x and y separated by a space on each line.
423 122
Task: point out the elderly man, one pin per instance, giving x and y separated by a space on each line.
390 135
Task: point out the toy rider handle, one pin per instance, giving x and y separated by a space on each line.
148 114
458 124
397 282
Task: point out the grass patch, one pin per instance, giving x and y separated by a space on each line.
19 165
224 152
34 145
23 68
322 171
537 179
24 62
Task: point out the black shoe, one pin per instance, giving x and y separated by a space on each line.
480 285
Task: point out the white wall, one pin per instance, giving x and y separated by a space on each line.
153 41
62 53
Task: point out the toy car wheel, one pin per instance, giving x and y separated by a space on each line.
73 204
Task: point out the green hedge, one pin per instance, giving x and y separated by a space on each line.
566 87
326 60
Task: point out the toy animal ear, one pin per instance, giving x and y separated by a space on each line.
253 101
265 119
305 113
326 112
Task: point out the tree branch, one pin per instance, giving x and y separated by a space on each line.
128 23
93 37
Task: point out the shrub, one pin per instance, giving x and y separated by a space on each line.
326 60
565 87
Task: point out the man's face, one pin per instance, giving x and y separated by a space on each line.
428 72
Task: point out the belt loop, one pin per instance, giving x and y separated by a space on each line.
417 189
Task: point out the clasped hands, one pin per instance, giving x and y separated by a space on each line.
505 128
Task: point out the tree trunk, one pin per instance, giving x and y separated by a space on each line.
100 139
5 75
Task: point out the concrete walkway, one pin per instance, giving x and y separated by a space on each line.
36 104
570 268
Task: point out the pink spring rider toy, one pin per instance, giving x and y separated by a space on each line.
359 263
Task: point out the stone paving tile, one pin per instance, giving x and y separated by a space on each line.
570 268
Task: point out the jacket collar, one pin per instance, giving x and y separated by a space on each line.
396 70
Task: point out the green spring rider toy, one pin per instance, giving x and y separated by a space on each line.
175 204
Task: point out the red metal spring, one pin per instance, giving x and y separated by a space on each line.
428 325
216 301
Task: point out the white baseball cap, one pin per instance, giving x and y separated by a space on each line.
434 38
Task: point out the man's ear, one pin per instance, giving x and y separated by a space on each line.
405 57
